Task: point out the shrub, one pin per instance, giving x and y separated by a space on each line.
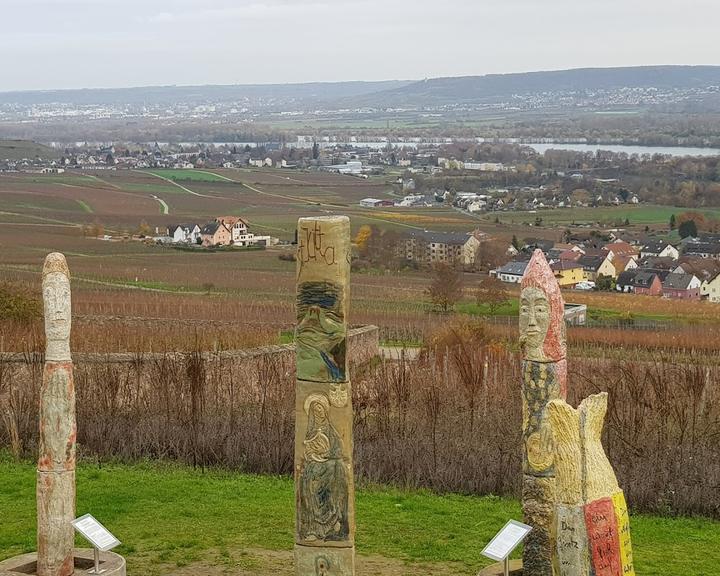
19 304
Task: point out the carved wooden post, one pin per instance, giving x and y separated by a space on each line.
542 340
56 463
324 492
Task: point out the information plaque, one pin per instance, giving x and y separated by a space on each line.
99 536
506 540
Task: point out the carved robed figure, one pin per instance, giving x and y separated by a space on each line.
325 518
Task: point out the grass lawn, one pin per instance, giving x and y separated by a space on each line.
170 517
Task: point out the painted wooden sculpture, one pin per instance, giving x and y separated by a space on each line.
544 369
325 522
593 527
56 462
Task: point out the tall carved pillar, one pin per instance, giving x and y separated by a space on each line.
544 369
56 463
324 491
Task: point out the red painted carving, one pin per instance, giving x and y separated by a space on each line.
603 537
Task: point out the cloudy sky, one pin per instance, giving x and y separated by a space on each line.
114 43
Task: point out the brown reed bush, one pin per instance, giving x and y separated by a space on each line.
449 421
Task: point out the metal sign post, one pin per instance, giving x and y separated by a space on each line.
97 570
99 536
505 541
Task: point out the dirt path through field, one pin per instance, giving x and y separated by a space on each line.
163 205
256 562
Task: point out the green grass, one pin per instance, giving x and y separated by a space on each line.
85 206
509 309
188 175
173 515
286 337
642 214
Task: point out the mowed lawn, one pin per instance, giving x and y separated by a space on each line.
169 516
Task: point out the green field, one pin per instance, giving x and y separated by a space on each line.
182 175
640 214
169 516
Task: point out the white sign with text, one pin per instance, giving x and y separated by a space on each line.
99 536
506 540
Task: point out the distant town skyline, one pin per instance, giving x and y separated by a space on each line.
62 44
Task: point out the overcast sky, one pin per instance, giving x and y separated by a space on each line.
115 43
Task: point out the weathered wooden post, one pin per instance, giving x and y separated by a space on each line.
55 484
56 463
544 369
324 491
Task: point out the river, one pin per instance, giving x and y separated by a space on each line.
640 150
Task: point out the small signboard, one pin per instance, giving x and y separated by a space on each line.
506 540
95 533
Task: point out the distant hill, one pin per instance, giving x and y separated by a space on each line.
682 88
150 95
21 149
494 88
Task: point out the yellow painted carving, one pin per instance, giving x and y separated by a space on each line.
600 480
565 423
623 520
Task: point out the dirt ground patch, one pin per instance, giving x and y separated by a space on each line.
258 562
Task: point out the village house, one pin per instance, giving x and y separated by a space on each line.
532 244
240 235
237 226
567 272
702 249
428 247
375 202
184 233
511 272
596 265
710 289
215 234
660 249
639 282
657 263
703 268
682 287
620 248
622 263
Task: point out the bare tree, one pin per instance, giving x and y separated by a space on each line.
446 287
491 254
491 293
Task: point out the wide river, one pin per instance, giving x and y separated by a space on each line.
667 150
541 148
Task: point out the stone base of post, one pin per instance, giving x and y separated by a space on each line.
111 564
327 561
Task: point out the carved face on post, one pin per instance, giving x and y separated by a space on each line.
542 313
534 322
56 299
